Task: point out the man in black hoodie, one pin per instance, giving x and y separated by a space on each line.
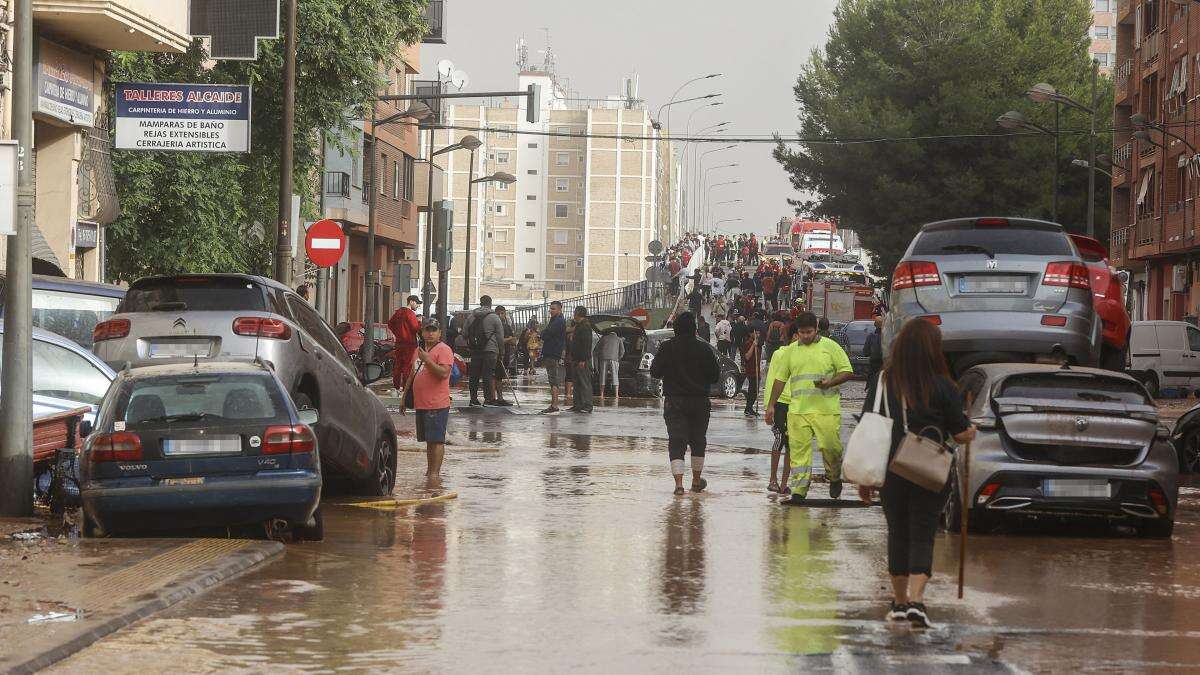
687 368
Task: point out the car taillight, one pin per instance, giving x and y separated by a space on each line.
1074 275
110 330
915 274
987 492
991 222
1159 500
1050 320
119 446
284 439
263 327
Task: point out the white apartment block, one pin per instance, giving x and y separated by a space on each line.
1104 34
584 209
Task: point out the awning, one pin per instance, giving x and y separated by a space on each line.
1145 186
41 250
1183 161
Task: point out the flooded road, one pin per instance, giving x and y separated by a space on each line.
566 550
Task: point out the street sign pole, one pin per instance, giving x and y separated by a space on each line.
16 382
376 185
283 237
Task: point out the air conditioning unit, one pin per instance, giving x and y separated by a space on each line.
1179 278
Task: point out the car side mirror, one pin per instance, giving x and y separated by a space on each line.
372 372
308 416
85 428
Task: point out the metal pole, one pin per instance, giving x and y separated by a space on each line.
283 237
16 383
1091 193
467 258
319 292
1054 194
369 281
428 279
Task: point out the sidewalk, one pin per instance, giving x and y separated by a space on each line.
59 594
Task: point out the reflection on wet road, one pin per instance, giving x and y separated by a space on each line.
567 551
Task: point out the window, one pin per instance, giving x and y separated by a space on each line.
72 315
562 184
395 180
316 328
532 172
560 263
232 396
530 198
503 132
529 276
501 262
1102 59
533 146
61 373
502 158
410 169
201 294
531 250
560 210
562 158
579 262
502 236
580 211
1193 339
501 186
561 237
383 175
562 130
1101 32
579 237
530 223
500 210
367 170
1102 6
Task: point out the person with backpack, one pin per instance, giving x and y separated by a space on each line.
485 331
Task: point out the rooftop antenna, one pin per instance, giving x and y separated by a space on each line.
522 54
548 64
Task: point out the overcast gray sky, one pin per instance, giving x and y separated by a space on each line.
759 45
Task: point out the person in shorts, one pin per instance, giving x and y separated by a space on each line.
431 398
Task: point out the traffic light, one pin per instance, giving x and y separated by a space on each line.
402 278
443 223
534 105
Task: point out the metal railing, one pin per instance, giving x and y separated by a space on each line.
337 184
1122 74
1145 231
646 294
1152 47
1122 156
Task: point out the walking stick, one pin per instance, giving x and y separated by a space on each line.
966 511
511 386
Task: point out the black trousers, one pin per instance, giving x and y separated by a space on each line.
751 393
483 367
687 424
912 514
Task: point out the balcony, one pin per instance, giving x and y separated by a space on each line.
1118 249
1123 81
337 184
132 25
1121 161
1125 11
435 16
1152 48
430 88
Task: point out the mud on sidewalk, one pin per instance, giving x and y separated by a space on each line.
59 594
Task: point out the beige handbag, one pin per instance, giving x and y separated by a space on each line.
922 460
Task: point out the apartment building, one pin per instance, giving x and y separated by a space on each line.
1103 34
1155 181
586 203
76 194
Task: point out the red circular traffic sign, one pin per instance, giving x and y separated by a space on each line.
640 314
325 243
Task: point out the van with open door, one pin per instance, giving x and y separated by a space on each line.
1165 354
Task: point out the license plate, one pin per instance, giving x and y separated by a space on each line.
165 350
1086 489
199 447
1002 283
197 480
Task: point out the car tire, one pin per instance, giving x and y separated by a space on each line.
88 527
1150 381
1189 453
730 386
314 532
977 521
383 473
1157 529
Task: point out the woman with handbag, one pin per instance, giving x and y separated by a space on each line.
926 410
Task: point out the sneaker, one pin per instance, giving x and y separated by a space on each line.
917 615
897 612
491 404
549 411
475 404
835 489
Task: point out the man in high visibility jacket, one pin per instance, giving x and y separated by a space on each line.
812 372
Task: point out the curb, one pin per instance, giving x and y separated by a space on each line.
200 581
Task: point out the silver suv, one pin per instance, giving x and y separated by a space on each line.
236 317
1002 290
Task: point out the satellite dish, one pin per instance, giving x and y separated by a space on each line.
655 247
459 79
445 68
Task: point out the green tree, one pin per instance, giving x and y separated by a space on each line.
900 69
215 213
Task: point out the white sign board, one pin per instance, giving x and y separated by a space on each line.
183 117
8 187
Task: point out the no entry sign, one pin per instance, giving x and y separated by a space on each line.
325 243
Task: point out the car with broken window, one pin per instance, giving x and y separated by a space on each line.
1063 442
205 445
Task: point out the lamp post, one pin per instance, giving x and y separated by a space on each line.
1084 164
708 207
1014 120
498 177
418 111
727 220
1046 93
708 193
467 142
697 178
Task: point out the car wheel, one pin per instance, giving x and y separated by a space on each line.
1157 529
314 532
729 386
383 476
1150 381
978 522
1189 454
88 527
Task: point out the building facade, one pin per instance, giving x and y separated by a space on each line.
1104 34
1155 180
586 204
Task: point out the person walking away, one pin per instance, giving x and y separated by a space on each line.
919 390
405 325
696 300
431 398
485 332
706 284
719 308
554 342
873 350
718 287
687 369
751 363
703 330
581 357
569 365
609 352
779 427
823 327
733 286
769 291
723 330
740 330
504 359
776 334
814 369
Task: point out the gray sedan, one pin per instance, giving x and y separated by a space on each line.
1059 441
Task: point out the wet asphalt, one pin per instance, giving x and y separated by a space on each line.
566 551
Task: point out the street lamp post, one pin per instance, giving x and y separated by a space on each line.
708 207
467 142
1046 93
727 220
708 193
698 178
498 177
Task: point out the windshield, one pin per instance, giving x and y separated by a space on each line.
242 397
1075 387
193 294
71 315
1013 240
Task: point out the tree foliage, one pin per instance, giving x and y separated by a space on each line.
216 213
910 68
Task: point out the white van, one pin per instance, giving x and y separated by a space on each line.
1165 354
